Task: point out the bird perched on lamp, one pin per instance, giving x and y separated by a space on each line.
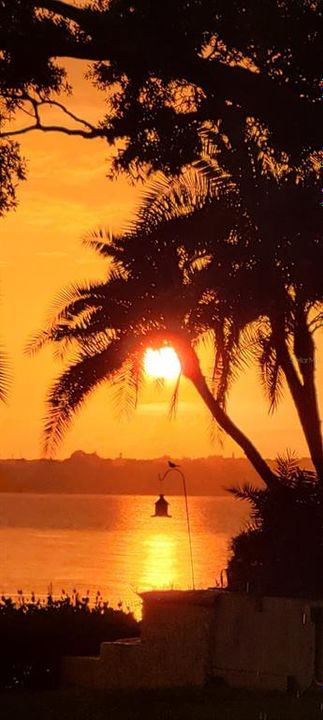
172 464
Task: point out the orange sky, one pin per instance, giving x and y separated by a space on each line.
67 195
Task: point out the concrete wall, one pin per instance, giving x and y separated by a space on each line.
172 652
263 642
189 638
177 627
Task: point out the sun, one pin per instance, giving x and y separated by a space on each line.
162 363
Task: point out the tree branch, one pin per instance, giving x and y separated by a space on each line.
88 135
90 132
68 113
277 105
297 121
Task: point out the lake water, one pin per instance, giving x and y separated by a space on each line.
112 544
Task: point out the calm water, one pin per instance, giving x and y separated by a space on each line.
111 543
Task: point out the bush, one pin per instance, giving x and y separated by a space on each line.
281 550
35 635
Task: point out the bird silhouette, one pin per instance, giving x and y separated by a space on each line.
172 464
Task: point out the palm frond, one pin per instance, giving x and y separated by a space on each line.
287 465
245 492
271 374
258 499
215 432
106 243
229 356
75 385
68 305
216 181
5 377
128 382
37 341
317 322
250 340
167 198
70 300
77 298
174 399
83 311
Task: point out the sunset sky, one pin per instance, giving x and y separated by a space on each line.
66 196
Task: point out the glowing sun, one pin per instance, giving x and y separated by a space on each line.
162 363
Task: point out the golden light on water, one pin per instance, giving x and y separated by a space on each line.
160 561
162 363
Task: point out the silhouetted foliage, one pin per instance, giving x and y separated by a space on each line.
271 276
103 329
243 79
12 170
169 70
236 268
281 550
36 634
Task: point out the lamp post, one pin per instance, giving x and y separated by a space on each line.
161 510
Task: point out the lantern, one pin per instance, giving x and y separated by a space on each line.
161 507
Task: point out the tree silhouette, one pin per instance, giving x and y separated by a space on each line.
168 70
174 74
198 234
153 295
275 276
250 228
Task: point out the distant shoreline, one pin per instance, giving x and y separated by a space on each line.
89 474
111 494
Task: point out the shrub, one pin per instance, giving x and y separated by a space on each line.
281 550
35 634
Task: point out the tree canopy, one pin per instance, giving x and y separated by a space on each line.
169 69
242 79
103 329
239 281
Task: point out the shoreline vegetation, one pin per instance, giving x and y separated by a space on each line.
88 473
42 631
36 633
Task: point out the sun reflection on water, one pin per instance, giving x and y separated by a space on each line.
112 543
160 552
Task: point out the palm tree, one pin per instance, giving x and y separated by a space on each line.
265 254
285 282
198 239
154 293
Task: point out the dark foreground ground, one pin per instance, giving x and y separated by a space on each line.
209 704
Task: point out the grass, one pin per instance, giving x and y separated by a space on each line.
182 704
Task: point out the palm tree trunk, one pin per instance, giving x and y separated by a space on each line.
235 433
305 400
303 393
309 417
191 369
